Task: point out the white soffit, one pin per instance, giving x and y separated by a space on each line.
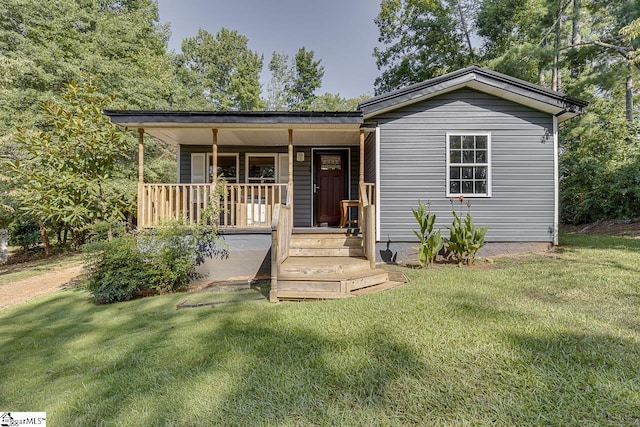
236 136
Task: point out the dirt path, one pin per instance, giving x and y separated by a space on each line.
23 290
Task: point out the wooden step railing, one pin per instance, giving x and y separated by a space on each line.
241 205
367 214
281 231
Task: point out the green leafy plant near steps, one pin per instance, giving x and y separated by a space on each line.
465 239
430 242
158 261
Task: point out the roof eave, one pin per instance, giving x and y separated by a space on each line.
252 119
487 81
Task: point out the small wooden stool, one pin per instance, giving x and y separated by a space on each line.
344 210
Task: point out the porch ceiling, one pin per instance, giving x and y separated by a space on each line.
237 128
263 136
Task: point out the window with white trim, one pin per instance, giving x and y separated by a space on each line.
469 164
261 168
227 167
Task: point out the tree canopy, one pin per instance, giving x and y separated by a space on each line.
222 69
66 176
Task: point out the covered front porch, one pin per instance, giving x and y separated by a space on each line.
273 172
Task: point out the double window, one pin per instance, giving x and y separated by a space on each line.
469 164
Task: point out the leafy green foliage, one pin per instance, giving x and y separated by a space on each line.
307 78
62 175
24 233
281 78
158 261
45 47
117 270
465 239
421 39
430 243
600 167
293 85
222 69
335 102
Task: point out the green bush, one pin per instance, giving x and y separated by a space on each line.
430 243
106 230
465 239
162 260
117 271
24 233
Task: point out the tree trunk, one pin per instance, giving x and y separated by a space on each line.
629 99
463 22
555 79
576 38
44 235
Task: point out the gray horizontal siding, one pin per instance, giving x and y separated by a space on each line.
370 158
302 189
413 166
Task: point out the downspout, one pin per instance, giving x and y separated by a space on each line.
378 201
556 182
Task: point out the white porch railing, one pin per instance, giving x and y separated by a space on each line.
241 205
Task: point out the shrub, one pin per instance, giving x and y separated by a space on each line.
24 233
161 260
106 230
465 239
430 243
117 271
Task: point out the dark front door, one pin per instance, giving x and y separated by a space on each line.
330 185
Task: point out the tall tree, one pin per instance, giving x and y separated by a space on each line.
294 82
422 39
65 175
223 68
335 102
307 79
281 80
44 47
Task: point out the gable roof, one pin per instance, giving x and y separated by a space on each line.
501 85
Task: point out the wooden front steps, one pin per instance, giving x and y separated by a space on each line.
326 266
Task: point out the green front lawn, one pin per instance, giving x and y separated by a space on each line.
535 340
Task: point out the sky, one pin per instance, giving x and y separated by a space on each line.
341 32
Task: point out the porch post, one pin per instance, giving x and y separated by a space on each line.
214 200
215 156
290 181
361 180
141 212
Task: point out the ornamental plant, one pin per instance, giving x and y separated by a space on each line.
465 239
430 243
157 261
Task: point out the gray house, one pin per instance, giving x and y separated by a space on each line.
316 199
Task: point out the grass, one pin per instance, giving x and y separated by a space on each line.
12 272
535 340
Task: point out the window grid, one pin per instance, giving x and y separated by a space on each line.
468 158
